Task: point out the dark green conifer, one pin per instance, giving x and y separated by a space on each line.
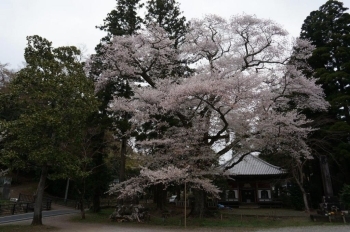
328 29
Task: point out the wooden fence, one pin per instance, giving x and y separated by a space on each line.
24 204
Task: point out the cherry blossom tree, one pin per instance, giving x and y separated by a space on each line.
3 172
245 95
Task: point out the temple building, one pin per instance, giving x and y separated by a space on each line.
252 182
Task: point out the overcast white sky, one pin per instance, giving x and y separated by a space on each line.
72 22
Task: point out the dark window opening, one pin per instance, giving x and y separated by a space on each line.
264 194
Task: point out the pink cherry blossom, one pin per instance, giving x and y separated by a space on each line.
237 100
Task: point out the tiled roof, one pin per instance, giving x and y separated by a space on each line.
252 165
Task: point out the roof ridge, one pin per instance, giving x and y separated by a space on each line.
265 162
253 165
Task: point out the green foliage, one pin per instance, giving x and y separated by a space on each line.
167 14
345 195
123 20
50 100
296 197
329 30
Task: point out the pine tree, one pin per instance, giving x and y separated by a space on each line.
167 14
123 20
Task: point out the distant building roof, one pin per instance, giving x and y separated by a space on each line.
253 165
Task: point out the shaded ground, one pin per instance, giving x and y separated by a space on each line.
279 212
65 224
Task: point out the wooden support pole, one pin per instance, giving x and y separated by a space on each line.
185 205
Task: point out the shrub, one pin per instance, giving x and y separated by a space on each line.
345 195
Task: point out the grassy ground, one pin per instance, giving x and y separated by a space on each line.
101 217
220 219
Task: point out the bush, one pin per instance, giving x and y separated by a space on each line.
345 195
296 197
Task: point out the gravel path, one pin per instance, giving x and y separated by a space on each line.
65 225
337 228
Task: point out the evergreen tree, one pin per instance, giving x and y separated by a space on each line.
328 29
51 99
167 14
123 20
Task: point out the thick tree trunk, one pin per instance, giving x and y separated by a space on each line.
178 192
160 196
300 182
306 203
298 174
198 203
122 160
81 199
98 175
82 209
96 207
37 217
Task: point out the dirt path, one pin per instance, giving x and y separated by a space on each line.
64 224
